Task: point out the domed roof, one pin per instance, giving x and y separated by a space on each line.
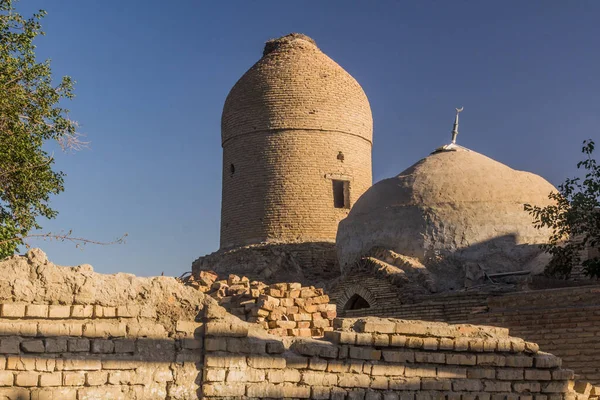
455 202
295 86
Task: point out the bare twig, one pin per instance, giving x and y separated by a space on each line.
63 237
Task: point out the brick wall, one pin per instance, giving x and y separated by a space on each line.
381 359
67 333
565 322
93 352
562 321
72 334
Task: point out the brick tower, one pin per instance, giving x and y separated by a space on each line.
296 135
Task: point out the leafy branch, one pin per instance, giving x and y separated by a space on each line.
574 220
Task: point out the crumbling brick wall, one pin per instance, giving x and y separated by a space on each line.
72 334
380 359
563 321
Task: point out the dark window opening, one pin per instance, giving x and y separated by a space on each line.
232 169
341 194
356 303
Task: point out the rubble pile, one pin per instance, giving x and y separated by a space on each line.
283 309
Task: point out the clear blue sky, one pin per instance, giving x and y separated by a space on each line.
152 77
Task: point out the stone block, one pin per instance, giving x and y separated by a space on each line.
26 379
52 329
491 360
36 311
10 345
28 328
82 311
96 378
104 392
245 375
320 392
435 384
32 346
452 373
102 346
128 345
509 374
12 310
56 345
275 347
317 364
121 377
526 387
7 378
353 381
433 358
496 386
378 383
54 393
519 361
312 378
104 329
76 378
78 345
24 363
365 353
128 311
461 359
81 364
420 371
225 360
564 374
214 375
266 362
555 387
387 370
481 373
467 385
398 356
537 375
431 344
546 360
404 384
59 312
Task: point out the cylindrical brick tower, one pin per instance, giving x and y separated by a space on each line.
296 135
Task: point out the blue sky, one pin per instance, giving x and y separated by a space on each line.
152 77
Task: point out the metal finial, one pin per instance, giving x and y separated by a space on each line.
455 129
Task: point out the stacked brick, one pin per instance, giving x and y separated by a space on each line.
384 359
283 309
562 321
77 352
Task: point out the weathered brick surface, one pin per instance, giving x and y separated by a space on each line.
563 321
295 121
472 365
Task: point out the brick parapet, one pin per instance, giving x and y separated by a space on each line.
381 359
563 321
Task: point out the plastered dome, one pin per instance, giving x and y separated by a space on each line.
296 133
457 205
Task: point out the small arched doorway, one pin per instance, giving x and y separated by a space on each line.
356 302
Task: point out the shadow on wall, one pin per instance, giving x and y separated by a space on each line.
383 276
98 365
311 263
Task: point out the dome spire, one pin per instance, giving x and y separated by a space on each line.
455 129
